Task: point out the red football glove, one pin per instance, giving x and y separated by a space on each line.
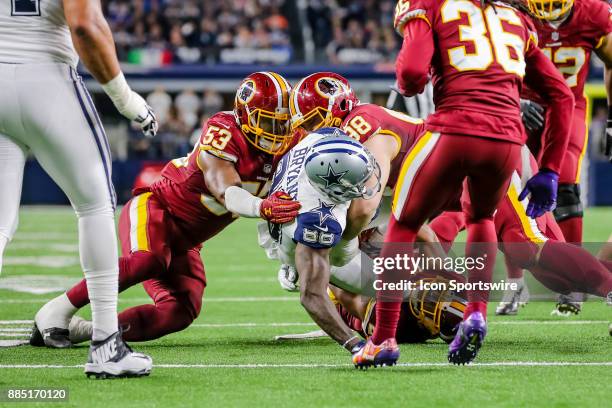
279 208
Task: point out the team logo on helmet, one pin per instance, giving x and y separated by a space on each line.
332 177
246 92
328 87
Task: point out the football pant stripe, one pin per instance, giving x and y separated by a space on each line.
139 239
92 127
529 225
410 168
586 142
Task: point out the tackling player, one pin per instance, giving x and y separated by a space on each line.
537 245
163 226
569 33
478 52
45 109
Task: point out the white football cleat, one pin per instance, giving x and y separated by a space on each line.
113 358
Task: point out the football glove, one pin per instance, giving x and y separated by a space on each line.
543 190
288 278
131 105
607 139
279 208
532 114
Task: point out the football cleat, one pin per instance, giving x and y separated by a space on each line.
385 354
512 300
567 305
113 358
470 336
53 337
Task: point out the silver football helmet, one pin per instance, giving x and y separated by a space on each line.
340 167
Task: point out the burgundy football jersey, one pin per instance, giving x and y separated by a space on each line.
183 191
570 45
478 66
369 119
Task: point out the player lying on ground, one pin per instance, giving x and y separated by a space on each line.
46 110
569 33
474 135
537 245
163 226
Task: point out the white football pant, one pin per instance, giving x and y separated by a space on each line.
46 110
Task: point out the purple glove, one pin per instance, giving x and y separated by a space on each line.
543 190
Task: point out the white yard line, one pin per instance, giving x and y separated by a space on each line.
306 365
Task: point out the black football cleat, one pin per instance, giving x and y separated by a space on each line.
113 358
53 337
568 305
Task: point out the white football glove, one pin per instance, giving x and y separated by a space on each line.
288 278
131 105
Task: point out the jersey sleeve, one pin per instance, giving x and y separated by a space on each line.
531 34
407 10
318 227
601 24
222 141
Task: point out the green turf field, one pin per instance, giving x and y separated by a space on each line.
228 357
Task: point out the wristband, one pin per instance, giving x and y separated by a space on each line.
119 91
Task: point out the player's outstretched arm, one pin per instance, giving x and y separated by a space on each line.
223 181
93 41
314 269
604 52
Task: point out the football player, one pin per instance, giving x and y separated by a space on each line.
569 33
325 171
162 228
46 110
535 244
478 52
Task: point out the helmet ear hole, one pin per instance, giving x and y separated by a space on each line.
343 105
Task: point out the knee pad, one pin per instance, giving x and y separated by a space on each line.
568 202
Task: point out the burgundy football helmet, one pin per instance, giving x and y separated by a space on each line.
261 109
321 100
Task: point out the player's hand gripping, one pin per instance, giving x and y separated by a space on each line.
279 208
543 190
532 114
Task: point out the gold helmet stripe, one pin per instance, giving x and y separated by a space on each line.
285 87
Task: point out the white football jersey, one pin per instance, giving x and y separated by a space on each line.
35 31
320 222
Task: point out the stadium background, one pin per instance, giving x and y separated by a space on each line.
187 57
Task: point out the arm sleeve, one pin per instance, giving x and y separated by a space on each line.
542 77
601 24
414 59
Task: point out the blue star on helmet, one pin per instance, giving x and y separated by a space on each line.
325 211
332 177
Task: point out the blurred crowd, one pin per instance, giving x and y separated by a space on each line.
180 122
353 31
160 32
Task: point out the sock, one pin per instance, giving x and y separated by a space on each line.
55 313
565 268
475 307
481 243
389 303
447 226
150 322
134 268
99 259
3 242
572 230
513 271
